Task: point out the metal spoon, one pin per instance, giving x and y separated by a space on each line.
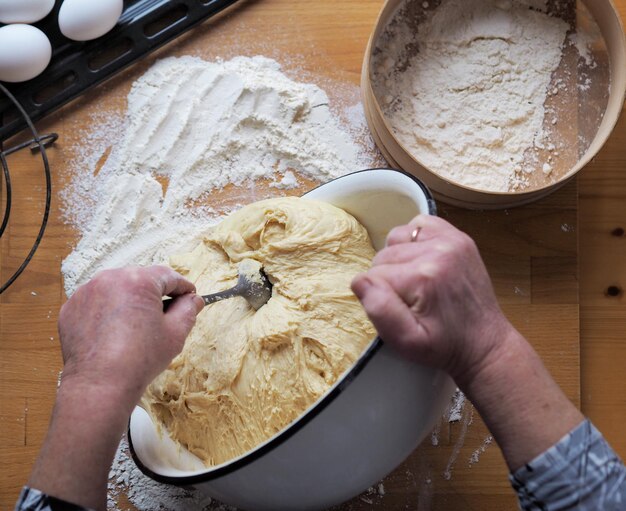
252 284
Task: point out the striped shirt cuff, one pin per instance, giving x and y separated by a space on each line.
34 500
580 472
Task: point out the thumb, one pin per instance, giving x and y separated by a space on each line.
181 317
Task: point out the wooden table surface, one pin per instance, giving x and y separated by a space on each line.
550 261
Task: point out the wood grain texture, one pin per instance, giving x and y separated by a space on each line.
602 262
531 253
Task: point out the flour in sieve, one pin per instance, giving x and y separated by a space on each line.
469 100
193 127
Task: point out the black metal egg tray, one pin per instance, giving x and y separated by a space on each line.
144 26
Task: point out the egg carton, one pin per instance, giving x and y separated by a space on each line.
145 25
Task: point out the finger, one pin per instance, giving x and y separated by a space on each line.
181 317
399 235
429 227
402 233
431 249
393 320
400 254
169 282
413 283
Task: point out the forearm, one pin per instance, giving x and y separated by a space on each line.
85 430
522 405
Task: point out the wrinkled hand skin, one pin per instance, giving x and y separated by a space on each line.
115 339
114 332
433 299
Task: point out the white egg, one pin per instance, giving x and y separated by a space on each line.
25 52
24 11
83 20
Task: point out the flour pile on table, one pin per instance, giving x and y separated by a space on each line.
192 128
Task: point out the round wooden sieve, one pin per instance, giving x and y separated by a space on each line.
586 118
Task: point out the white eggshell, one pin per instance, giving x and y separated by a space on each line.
83 20
24 11
25 52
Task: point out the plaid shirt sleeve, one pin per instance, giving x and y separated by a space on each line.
580 473
34 500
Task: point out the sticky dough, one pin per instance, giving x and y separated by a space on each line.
244 375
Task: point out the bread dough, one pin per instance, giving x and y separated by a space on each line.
243 375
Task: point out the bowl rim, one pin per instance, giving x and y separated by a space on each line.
278 439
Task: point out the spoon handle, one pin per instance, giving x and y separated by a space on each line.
222 295
208 299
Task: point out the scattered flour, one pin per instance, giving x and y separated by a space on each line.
519 291
373 496
434 434
584 42
192 128
289 180
453 413
470 102
456 407
148 495
475 457
466 421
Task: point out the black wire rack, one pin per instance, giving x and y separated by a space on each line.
75 67
36 144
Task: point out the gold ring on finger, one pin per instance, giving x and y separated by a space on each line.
415 234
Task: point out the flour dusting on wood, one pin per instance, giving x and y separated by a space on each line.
192 129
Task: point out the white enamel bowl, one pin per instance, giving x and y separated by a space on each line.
362 429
